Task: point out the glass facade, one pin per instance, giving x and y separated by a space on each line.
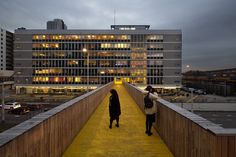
59 58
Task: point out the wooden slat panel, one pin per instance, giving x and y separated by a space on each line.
52 135
213 141
231 146
185 137
224 146
235 146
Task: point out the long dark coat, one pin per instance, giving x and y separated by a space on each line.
114 107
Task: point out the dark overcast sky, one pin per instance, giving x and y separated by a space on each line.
208 26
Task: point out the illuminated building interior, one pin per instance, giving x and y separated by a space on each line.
58 59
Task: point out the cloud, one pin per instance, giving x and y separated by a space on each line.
208 26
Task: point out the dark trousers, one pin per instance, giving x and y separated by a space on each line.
114 118
150 118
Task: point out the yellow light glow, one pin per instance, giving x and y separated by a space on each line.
36 37
56 79
42 54
77 79
70 79
117 81
84 50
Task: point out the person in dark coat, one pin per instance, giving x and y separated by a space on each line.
114 108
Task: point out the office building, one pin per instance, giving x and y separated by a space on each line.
56 24
57 60
6 49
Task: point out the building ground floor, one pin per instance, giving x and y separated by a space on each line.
78 88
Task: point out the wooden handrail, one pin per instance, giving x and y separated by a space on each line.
187 134
48 134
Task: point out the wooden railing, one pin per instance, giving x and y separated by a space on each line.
50 133
187 134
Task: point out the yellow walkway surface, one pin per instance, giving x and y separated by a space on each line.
129 140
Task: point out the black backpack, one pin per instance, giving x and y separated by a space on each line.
148 103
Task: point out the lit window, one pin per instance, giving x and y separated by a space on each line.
77 79
124 37
75 37
155 37
35 37
70 79
155 46
121 63
56 79
138 63
93 36
72 62
115 45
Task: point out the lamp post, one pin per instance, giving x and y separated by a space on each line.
86 51
3 94
187 68
3 103
3 98
191 90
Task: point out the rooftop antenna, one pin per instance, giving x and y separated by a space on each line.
114 16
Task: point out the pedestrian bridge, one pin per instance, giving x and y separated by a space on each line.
80 128
96 139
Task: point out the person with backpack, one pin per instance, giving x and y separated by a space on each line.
150 108
114 108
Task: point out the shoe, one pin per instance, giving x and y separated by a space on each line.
117 125
150 133
110 126
146 132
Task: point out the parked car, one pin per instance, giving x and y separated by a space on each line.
20 110
186 89
11 105
199 91
34 107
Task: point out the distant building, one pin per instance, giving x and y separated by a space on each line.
6 75
54 61
56 24
6 49
220 82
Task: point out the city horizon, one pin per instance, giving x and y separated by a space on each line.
118 78
207 27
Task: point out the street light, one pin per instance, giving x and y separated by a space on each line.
3 98
8 74
3 103
86 51
187 67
